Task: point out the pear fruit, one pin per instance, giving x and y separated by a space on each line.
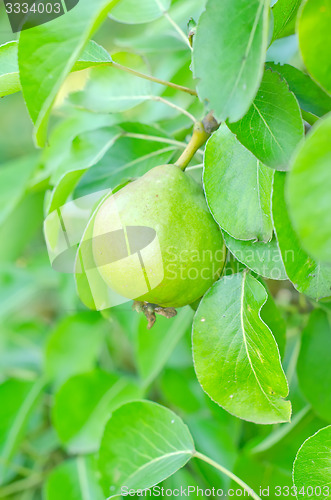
155 240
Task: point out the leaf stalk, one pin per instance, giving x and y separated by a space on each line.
228 473
153 78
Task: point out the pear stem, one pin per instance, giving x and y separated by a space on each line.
201 133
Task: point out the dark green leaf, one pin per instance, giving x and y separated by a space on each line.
155 347
229 74
235 354
84 404
284 13
310 96
74 346
18 399
273 318
273 125
308 191
314 371
236 183
178 381
74 479
268 463
307 275
262 258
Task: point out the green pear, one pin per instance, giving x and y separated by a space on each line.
156 241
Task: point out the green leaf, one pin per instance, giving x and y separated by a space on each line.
14 178
273 318
149 10
154 348
315 40
216 435
74 479
310 96
159 38
314 481
308 191
47 53
9 78
307 275
236 183
235 354
143 444
74 346
17 286
284 14
263 258
229 74
21 345
93 55
182 479
62 191
178 381
263 475
21 226
314 371
110 90
129 158
267 462
18 399
84 404
86 150
75 126
273 125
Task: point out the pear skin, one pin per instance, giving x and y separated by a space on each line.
156 241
